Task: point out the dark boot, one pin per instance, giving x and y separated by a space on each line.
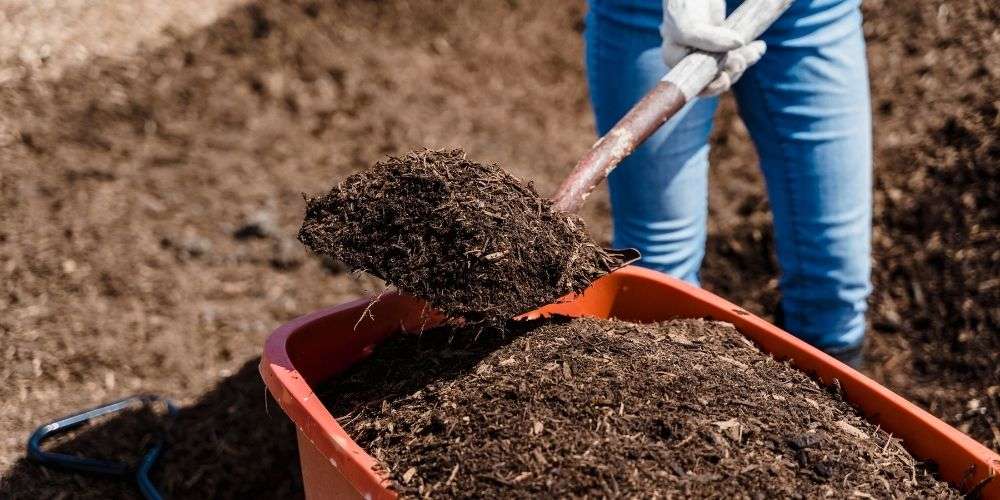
853 356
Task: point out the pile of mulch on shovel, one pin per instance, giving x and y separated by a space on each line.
586 407
471 239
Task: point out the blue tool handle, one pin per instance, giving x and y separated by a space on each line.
146 487
100 466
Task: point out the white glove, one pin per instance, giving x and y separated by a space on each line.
697 24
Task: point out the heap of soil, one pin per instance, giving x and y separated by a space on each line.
606 408
471 239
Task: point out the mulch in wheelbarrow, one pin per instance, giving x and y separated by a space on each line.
585 407
468 237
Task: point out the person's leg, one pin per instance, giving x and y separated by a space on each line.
658 194
806 104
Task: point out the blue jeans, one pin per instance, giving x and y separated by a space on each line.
806 105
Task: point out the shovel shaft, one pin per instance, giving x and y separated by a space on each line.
681 84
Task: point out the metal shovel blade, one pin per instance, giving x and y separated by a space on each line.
624 255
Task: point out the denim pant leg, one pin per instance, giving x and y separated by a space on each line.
806 105
659 195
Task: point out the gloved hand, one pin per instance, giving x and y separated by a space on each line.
697 24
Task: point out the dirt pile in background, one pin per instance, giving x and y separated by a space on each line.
592 408
469 238
937 238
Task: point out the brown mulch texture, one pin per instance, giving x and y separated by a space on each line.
469 238
934 315
595 408
151 180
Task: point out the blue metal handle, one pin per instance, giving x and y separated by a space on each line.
99 466
146 486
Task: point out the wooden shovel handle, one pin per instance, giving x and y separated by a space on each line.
684 82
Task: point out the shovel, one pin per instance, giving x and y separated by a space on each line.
678 87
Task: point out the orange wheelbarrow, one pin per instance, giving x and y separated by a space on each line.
313 348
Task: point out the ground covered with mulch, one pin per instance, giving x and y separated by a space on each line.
469 238
934 315
595 408
153 173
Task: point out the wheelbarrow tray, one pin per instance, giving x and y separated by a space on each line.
309 350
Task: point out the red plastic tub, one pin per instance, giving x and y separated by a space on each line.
315 347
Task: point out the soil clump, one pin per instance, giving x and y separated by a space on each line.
471 239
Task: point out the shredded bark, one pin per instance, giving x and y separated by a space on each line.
594 408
